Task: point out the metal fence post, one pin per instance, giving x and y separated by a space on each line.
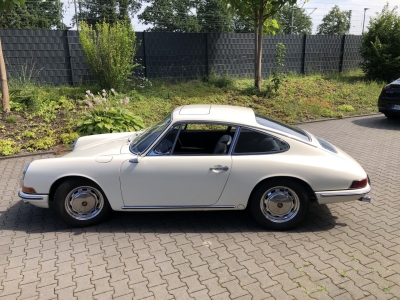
342 53
69 57
207 58
144 55
303 55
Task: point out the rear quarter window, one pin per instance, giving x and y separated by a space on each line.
255 142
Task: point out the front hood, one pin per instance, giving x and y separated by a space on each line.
100 144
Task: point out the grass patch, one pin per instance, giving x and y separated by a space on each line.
46 116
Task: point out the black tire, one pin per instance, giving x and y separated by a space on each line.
391 116
88 196
279 204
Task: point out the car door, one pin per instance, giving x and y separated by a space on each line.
181 170
257 155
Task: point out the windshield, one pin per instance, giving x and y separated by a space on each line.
267 122
148 136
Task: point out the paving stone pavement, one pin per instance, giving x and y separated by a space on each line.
341 251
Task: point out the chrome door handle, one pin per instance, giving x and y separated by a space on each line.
219 168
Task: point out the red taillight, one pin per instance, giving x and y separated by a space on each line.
358 184
385 88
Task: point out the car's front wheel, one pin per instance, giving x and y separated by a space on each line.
80 203
279 204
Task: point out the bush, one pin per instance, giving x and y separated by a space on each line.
69 138
40 144
278 76
11 119
380 46
109 52
346 107
108 115
222 80
8 147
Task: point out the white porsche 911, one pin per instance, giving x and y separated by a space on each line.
200 157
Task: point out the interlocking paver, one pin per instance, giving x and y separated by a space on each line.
342 251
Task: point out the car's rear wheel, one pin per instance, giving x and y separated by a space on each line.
279 204
391 116
80 202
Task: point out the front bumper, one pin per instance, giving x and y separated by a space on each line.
343 195
35 199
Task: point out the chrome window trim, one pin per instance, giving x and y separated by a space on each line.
235 137
260 128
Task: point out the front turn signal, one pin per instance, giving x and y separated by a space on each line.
28 190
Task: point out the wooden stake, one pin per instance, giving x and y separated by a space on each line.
4 83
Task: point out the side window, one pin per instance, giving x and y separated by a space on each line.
250 141
166 145
204 139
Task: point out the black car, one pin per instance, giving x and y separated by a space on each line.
389 100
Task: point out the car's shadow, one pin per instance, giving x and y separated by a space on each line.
378 122
30 219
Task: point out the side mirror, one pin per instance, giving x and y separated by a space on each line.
134 160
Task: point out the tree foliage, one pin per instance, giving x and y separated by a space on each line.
35 14
213 16
170 16
242 25
302 23
110 11
380 46
109 51
258 11
335 22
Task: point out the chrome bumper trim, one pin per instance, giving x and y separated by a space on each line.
363 191
29 196
179 207
343 195
35 199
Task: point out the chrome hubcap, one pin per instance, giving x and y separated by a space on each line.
280 204
84 203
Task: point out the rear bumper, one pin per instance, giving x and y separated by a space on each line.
35 199
389 110
343 195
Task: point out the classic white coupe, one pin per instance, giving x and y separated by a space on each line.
200 157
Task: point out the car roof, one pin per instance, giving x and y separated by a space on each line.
212 112
396 82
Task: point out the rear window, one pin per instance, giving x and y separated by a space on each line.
270 123
326 145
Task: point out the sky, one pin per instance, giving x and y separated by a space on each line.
317 9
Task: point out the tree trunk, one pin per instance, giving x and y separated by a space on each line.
259 50
4 84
